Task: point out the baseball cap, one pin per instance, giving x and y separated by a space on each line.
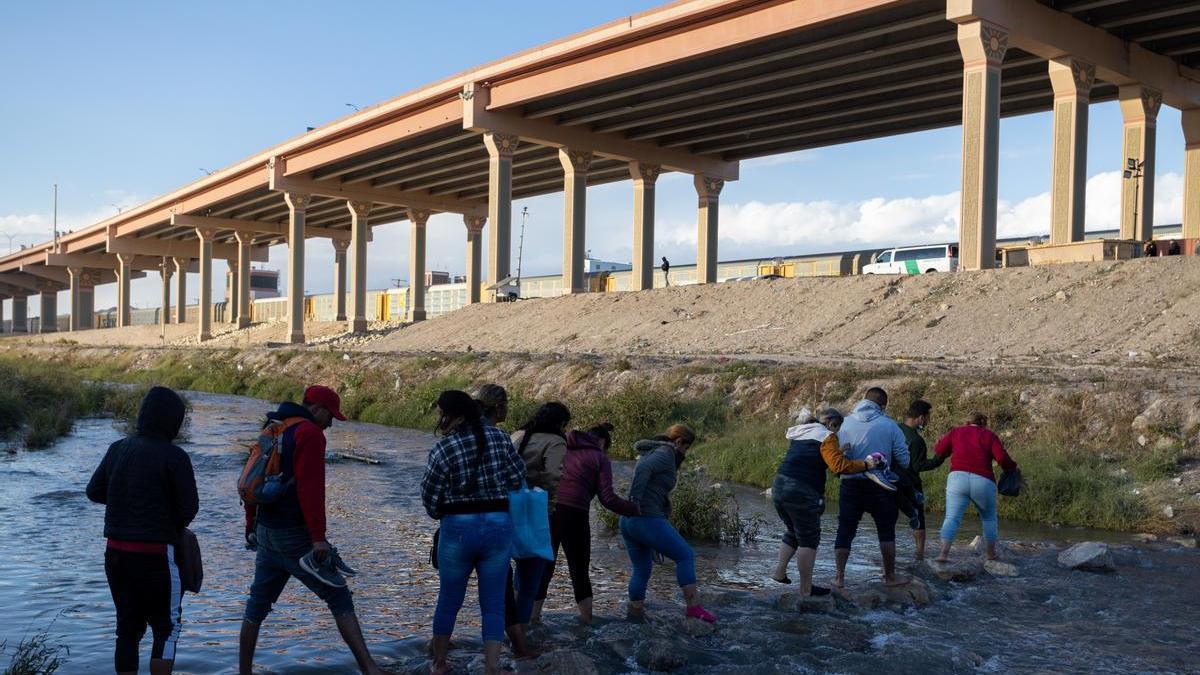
327 397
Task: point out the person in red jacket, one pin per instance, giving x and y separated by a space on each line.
972 448
289 534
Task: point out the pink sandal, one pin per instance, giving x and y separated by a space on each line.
698 612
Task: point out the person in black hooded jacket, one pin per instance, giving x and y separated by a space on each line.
149 491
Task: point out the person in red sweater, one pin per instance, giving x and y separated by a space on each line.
289 534
972 448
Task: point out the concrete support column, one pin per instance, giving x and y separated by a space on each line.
165 270
244 240
205 308
124 272
231 291
49 311
500 153
181 267
416 265
359 211
1072 82
983 46
20 320
474 256
339 279
644 178
708 189
1191 173
75 285
575 164
1139 108
2 299
297 204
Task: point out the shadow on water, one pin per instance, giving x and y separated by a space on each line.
1140 619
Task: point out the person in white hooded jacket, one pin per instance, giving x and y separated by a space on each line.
868 432
799 491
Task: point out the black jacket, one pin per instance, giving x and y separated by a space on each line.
145 481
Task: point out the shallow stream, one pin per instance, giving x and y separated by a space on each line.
1141 619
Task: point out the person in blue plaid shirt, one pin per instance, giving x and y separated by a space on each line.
470 472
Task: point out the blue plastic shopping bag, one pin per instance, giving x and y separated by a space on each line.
530 512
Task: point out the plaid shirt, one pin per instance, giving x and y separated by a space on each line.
452 469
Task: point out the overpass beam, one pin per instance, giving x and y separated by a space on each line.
1139 109
165 271
359 212
474 256
416 265
983 45
20 311
1191 173
644 177
205 236
575 164
297 206
124 270
244 240
49 311
500 149
339 279
181 270
708 190
1072 81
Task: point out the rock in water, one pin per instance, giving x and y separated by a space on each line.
566 662
696 627
1186 542
792 601
1092 556
965 569
997 568
660 655
916 593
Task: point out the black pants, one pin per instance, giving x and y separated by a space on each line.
145 589
857 496
572 528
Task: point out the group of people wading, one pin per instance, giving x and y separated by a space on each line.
149 491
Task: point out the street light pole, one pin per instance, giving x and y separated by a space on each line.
1133 170
521 247
56 217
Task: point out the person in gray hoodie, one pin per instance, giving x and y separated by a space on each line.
867 432
654 477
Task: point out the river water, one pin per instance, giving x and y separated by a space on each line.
1141 619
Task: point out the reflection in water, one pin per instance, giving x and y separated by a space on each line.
52 566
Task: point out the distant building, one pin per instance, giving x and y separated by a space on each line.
264 284
436 278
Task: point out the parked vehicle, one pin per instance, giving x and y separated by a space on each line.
915 260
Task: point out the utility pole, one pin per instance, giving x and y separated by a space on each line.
56 217
521 247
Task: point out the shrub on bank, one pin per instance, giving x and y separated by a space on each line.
701 511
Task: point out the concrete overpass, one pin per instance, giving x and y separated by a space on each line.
693 86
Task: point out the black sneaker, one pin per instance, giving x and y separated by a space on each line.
880 477
914 523
340 565
323 570
818 591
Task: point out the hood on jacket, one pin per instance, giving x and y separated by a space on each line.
581 440
161 413
288 409
649 445
866 411
813 431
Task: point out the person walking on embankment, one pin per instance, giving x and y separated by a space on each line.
799 491
972 448
289 533
868 431
915 420
148 489
467 479
651 532
586 474
666 270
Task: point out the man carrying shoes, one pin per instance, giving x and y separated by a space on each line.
289 533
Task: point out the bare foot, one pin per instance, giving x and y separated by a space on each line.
439 668
941 559
838 582
897 580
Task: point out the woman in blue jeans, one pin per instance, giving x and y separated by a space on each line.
470 472
654 477
972 449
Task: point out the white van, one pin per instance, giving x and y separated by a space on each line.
915 260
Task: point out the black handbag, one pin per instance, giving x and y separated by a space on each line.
1010 483
433 549
189 562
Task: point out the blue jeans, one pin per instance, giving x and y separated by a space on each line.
643 536
279 553
479 542
963 487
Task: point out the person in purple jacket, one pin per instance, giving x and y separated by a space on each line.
586 473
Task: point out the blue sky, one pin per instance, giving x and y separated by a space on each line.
119 102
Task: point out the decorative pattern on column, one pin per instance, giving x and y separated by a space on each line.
474 256
204 310
708 189
983 46
1191 173
1139 108
359 211
297 204
339 278
500 153
644 178
1072 82
123 300
165 269
244 307
575 164
416 265
181 269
